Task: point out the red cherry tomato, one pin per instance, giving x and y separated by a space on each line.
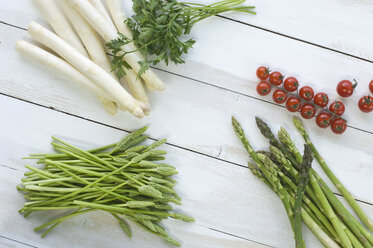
339 126
337 107
276 78
263 88
291 84
371 86
321 99
293 104
323 120
345 88
306 93
279 96
308 111
366 104
262 73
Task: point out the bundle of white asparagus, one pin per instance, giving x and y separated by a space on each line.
81 56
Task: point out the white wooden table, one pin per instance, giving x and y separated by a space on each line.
321 42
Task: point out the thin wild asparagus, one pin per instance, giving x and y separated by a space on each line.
125 181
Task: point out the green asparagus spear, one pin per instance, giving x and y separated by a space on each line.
346 194
358 230
303 181
266 131
345 241
283 194
271 178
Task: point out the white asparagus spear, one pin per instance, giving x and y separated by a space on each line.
88 36
117 14
98 22
135 85
94 72
60 24
93 43
101 9
49 60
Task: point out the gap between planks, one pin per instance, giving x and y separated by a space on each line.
127 131
17 241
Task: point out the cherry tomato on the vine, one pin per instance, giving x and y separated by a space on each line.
323 119
263 88
308 111
293 104
339 126
321 99
371 86
279 96
306 93
337 107
366 104
276 78
345 88
262 72
291 84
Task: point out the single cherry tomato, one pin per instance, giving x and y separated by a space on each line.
366 104
321 99
306 93
262 73
293 104
323 120
308 111
339 126
279 96
337 107
263 88
291 84
345 88
371 86
276 78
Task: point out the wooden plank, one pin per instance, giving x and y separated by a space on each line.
220 196
193 115
332 24
231 62
313 22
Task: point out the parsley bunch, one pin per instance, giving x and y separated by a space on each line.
159 27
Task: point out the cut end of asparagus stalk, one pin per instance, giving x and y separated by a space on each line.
137 111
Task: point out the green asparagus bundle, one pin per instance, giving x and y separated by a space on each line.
290 176
124 179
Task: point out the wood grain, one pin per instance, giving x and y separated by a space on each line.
227 54
232 208
220 196
192 115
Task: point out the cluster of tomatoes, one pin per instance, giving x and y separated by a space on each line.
303 100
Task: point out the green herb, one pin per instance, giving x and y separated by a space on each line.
124 181
159 28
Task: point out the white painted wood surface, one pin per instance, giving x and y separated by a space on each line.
232 208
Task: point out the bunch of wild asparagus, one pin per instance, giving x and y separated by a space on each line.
303 193
80 54
125 181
